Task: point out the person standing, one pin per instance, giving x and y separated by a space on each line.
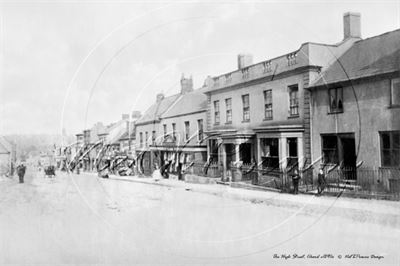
296 179
21 172
321 180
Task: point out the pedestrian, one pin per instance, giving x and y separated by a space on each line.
21 172
296 179
321 180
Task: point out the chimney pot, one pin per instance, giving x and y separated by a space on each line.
160 97
352 25
244 60
186 84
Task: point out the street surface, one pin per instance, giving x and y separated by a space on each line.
83 219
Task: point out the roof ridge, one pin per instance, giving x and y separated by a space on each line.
376 36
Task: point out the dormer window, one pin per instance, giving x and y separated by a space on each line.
245 73
291 58
267 66
336 100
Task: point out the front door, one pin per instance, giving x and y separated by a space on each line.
349 157
245 152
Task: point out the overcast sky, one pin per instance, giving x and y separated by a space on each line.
72 63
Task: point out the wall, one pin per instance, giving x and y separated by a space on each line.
180 126
280 104
373 100
155 126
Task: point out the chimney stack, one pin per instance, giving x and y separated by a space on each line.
160 97
244 60
352 25
186 84
125 116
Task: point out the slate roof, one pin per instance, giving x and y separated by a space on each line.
192 102
370 57
157 109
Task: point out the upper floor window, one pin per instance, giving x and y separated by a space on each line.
216 112
164 130
291 58
246 107
293 100
187 130
390 148
228 103
267 66
336 100
147 138
395 92
268 104
245 73
228 78
141 139
173 131
200 129
153 137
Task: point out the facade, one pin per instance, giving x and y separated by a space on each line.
147 126
356 106
181 139
171 131
7 156
260 113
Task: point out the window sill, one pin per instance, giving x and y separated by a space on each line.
216 124
394 106
293 116
246 121
335 112
228 123
267 119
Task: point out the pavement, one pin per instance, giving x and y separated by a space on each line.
382 212
86 220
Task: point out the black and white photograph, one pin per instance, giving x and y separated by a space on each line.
186 132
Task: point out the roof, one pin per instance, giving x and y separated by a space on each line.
126 136
5 146
157 109
188 103
370 57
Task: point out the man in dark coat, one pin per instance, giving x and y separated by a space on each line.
21 172
296 179
321 181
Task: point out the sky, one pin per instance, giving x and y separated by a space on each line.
70 64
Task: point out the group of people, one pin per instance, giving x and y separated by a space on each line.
321 182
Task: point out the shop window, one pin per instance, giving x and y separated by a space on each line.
292 151
246 107
390 148
270 152
336 100
330 150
